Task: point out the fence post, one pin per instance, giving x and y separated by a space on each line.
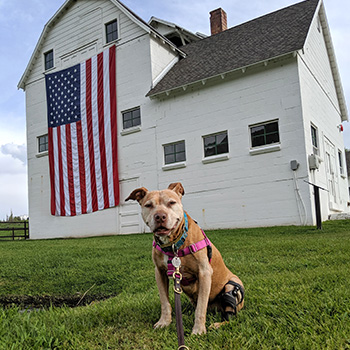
13 233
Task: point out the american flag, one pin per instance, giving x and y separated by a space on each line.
82 124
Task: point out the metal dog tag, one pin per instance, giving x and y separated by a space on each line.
176 262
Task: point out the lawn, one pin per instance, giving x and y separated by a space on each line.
296 279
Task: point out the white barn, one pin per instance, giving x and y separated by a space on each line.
243 118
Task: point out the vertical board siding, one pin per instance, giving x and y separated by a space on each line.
321 108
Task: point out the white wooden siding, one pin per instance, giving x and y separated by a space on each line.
320 108
244 190
82 25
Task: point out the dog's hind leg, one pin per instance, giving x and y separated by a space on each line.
232 299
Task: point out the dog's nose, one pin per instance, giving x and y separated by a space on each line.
160 217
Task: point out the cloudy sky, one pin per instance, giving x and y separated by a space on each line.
21 23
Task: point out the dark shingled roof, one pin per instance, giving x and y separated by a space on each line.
258 40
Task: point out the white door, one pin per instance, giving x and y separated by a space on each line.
331 173
130 220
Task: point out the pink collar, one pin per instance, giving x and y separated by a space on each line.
191 249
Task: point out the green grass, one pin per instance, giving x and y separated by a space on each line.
296 279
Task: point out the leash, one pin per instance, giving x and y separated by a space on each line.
177 276
174 262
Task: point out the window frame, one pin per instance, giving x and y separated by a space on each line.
265 135
132 119
116 21
206 154
314 140
175 153
45 144
51 60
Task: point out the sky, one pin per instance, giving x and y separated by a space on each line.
22 21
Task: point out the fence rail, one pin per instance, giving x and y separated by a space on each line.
14 230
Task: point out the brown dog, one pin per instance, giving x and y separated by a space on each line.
208 280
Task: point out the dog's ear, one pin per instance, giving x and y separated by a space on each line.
137 194
177 188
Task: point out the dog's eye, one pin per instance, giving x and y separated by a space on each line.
148 205
170 203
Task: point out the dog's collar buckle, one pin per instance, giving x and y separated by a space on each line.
193 248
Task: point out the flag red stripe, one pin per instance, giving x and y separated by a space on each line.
81 167
94 199
60 167
52 173
113 107
101 127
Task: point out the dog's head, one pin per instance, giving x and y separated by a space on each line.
161 210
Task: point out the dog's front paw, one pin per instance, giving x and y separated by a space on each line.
217 325
198 330
163 322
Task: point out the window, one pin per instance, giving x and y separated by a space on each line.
174 152
314 139
131 118
264 134
111 31
43 143
215 144
341 167
48 56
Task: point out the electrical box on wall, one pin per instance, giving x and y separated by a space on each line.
314 162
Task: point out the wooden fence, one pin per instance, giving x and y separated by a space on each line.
14 230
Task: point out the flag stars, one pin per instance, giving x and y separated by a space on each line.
63 93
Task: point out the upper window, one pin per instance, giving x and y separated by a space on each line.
131 118
48 56
43 143
264 134
215 144
111 31
314 138
174 152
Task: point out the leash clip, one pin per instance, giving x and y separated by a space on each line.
177 276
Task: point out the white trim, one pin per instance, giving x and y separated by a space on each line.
131 130
108 20
173 166
42 154
216 158
265 149
165 71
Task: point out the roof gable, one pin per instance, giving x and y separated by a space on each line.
64 8
270 36
176 34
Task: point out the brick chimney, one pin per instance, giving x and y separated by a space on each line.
218 21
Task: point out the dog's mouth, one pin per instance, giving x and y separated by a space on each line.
164 231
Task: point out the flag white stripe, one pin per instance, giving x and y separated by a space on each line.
76 174
85 137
